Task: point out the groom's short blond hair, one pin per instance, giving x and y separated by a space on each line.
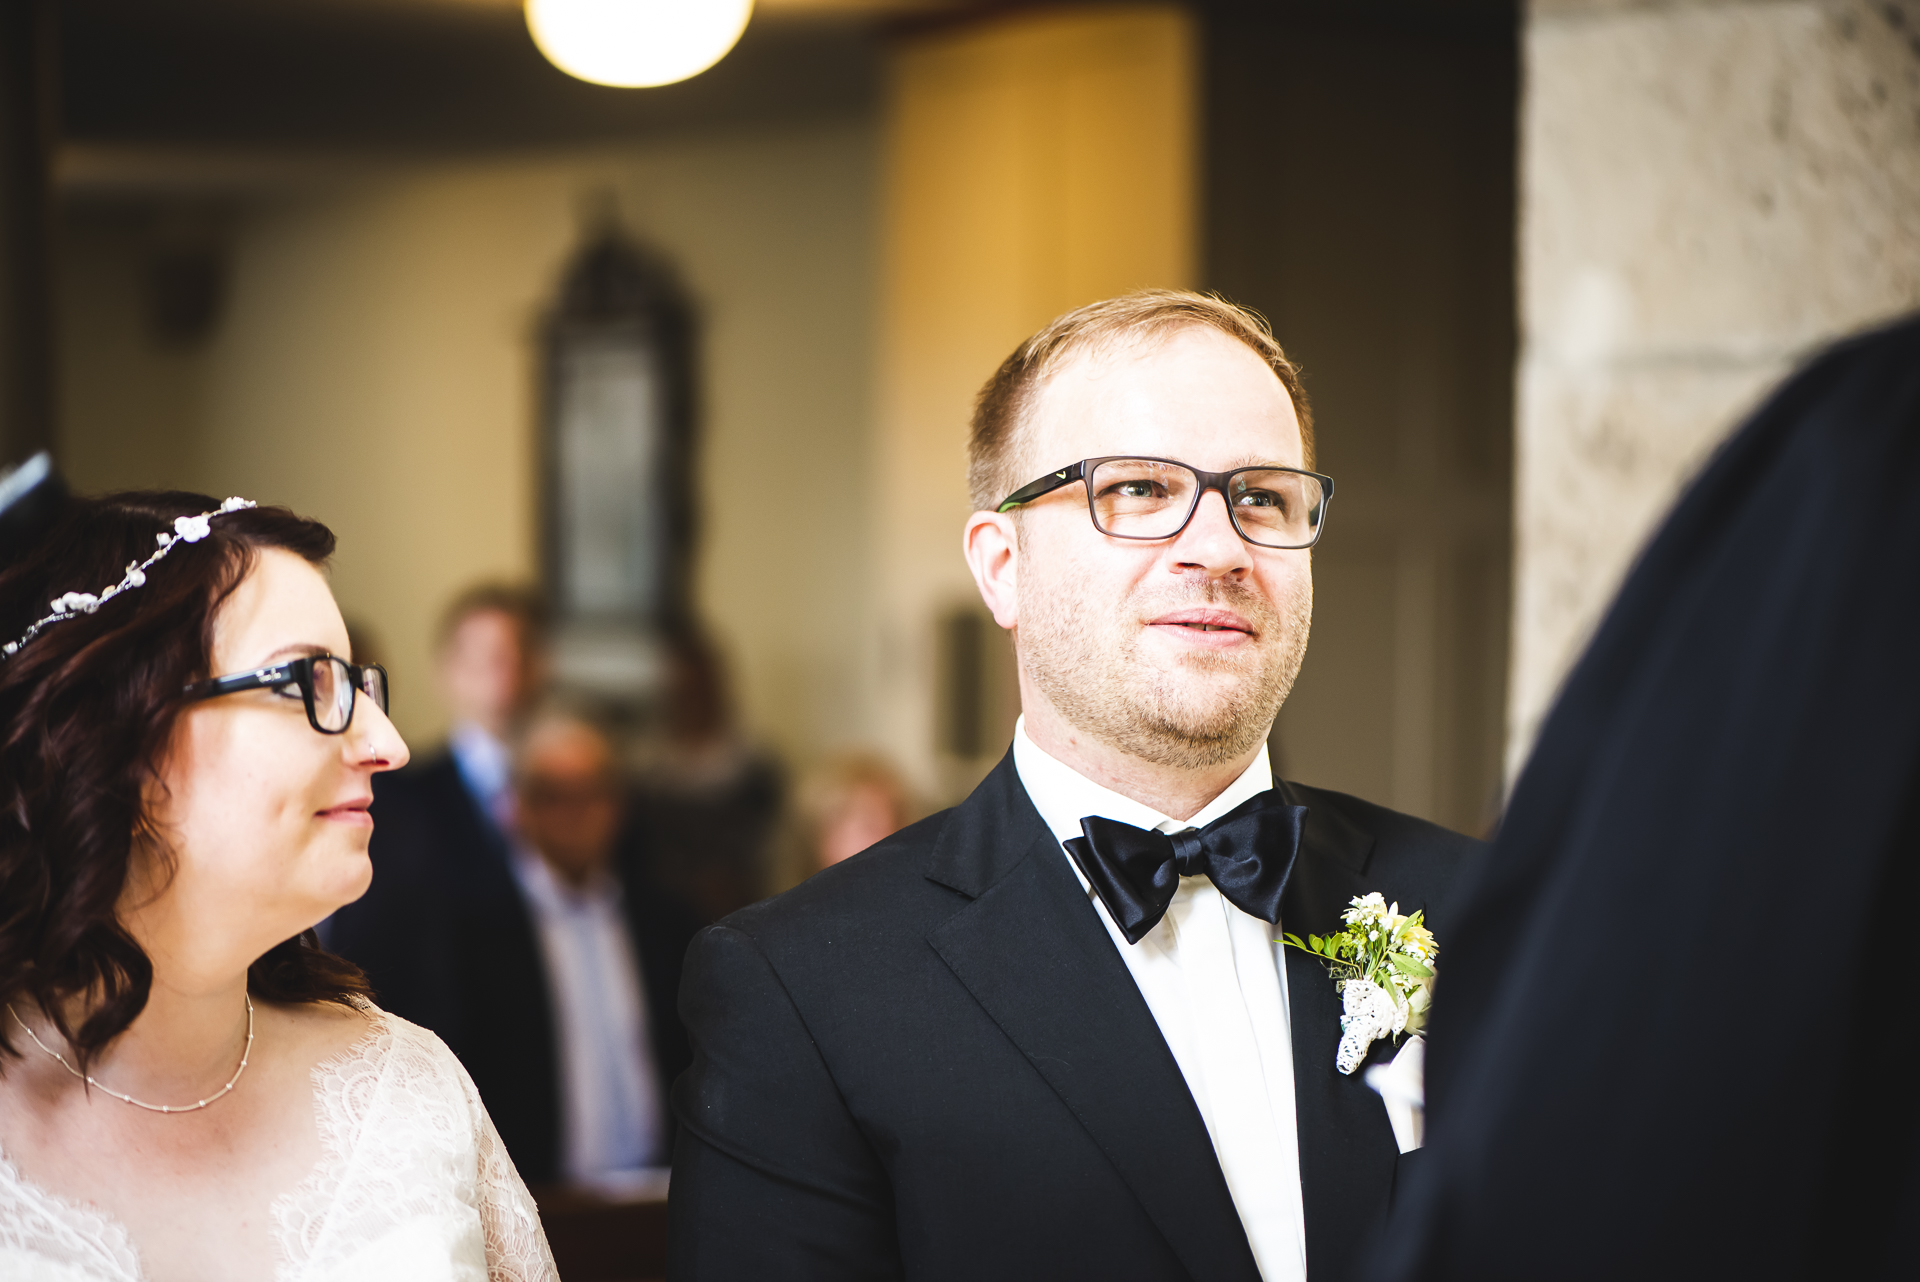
1003 408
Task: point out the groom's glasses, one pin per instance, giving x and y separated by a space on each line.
328 685
1155 498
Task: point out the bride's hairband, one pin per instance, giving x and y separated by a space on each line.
186 529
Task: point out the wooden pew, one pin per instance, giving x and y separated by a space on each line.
606 1234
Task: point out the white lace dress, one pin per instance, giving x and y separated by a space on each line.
413 1185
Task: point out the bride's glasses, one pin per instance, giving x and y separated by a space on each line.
327 683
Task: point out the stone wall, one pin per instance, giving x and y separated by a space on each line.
1708 193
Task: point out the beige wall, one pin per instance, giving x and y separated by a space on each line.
1709 191
129 407
375 368
1032 164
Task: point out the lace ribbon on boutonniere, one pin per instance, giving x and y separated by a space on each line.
1382 967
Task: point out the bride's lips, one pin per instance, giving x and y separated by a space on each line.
354 812
1210 628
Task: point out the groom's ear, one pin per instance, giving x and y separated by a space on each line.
991 544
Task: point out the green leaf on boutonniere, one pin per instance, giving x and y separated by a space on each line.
1408 966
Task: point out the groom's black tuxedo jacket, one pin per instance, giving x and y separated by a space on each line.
931 1062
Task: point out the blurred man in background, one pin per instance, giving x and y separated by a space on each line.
442 822
568 974
492 665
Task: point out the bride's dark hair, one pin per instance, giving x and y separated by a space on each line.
87 708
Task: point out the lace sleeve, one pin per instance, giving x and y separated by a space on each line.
410 1157
517 1249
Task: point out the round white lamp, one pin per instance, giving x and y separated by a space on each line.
635 43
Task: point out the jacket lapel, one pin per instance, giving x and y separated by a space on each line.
1031 949
1347 1152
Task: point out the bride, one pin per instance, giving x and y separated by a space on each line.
189 1087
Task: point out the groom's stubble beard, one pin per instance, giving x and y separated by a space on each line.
1213 709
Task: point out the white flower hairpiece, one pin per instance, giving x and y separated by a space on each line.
186 529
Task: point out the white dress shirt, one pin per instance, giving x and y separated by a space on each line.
1216 982
612 1115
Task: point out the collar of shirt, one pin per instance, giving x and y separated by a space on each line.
1213 980
1064 796
485 763
553 898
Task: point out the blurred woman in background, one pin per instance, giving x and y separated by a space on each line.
189 1086
848 804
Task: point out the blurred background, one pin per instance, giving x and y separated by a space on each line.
320 251
697 360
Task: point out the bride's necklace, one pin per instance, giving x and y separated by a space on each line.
151 1108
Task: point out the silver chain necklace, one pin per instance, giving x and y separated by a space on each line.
245 1054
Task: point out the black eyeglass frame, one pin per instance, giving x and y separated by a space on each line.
298 672
1207 481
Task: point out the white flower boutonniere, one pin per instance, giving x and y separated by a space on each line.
1382 967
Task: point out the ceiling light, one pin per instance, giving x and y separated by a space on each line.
634 43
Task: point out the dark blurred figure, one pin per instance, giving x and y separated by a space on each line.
440 824
1671 1037
707 805
32 497
848 803
568 980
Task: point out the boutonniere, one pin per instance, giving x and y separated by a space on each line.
1382 967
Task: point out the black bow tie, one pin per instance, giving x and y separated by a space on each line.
1247 853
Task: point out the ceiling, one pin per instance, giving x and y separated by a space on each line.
410 77
233 96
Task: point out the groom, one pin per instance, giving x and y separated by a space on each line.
1048 1034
